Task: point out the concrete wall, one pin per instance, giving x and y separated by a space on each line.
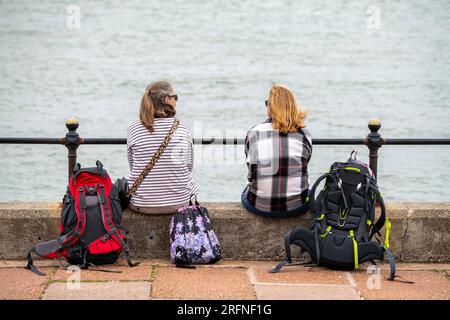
419 231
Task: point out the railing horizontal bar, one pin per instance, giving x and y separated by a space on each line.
103 141
225 141
416 142
4 140
338 141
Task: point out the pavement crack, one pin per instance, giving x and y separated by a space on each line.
153 273
51 274
252 278
402 242
352 283
152 280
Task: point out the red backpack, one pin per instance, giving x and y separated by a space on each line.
90 230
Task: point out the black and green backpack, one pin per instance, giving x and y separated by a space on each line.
344 225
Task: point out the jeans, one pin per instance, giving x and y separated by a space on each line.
280 214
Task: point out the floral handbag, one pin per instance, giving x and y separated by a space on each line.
192 241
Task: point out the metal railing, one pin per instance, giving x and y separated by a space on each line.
373 141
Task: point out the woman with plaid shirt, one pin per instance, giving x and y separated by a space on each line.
277 154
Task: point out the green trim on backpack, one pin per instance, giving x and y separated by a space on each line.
388 233
353 169
326 232
355 249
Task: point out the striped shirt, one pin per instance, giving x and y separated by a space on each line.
170 182
277 164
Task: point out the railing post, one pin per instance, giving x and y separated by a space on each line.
72 141
374 142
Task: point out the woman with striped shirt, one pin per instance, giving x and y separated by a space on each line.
170 184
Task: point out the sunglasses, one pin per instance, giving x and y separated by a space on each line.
266 103
175 96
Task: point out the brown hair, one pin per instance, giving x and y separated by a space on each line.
153 105
286 113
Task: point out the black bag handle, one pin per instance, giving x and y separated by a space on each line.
353 156
76 168
99 165
190 200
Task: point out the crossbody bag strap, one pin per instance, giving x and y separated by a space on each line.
154 159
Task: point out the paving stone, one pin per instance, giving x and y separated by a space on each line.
23 263
138 273
246 263
143 262
228 279
305 292
113 290
299 274
226 263
428 285
411 266
21 284
202 283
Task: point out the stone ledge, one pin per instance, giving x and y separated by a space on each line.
419 231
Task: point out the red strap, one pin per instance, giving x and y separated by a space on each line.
80 208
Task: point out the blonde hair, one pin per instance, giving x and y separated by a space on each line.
153 105
286 114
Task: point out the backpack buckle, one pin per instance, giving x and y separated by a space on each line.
108 235
92 190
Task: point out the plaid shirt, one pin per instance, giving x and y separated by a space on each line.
277 164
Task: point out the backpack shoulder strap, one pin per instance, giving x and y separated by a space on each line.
287 249
288 260
315 202
111 229
377 226
63 241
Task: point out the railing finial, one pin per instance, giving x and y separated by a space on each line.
374 125
72 142
72 124
374 142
